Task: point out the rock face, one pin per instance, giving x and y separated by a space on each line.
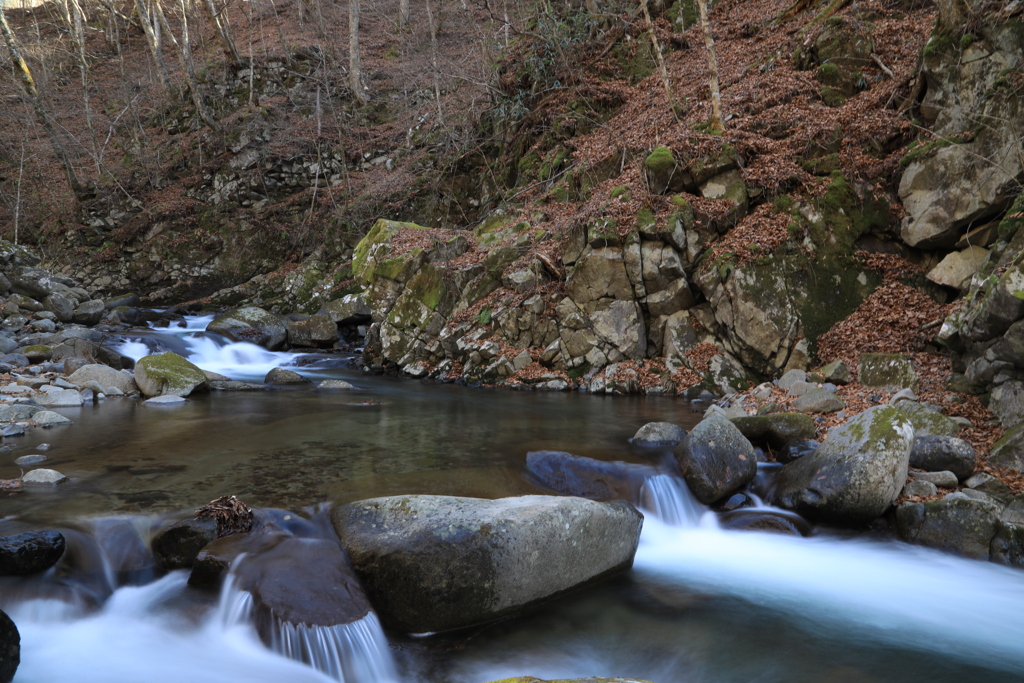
30 552
10 648
435 563
575 475
715 459
855 475
168 374
251 324
177 546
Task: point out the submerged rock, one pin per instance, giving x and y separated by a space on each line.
715 459
436 563
856 473
575 475
168 374
334 384
177 546
10 648
30 552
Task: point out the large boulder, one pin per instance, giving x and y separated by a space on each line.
168 374
10 648
30 552
575 475
251 324
715 459
435 563
955 523
91 352
655 434
927 420
857 472
350 309
61 398
105 375
316 330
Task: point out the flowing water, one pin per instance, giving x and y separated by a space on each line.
702 604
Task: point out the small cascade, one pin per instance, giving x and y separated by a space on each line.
354 653
669 499
350 653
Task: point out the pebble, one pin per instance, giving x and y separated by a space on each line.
945 479
33 459
164 401
919 487
44 447
334 384
12 430
44 477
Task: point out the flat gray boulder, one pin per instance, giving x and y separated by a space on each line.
251 324
436 563
715 459
105 376
48 418
857 472
61 398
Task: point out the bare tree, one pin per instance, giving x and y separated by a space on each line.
404 14
29 84
186 65
663 72
432 22
355 70
151 27
717 124
223 31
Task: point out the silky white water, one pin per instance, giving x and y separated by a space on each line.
237 360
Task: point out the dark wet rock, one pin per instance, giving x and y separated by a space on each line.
778 429
350 309
251 324
212 562
942 453
129 300
855 475
10 648
760 519
955 523
736 501
235 385
1007 545
716 459
284 376
575 475
794 450
300 581
655 434
316 330
89 312
30 552
177 546
435 563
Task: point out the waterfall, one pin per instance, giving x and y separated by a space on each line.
351 653
669 499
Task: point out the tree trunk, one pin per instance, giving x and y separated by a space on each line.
29 84
355 70
717 125
154 45
223 33
433 60
186 65
83 67
665 82
404 13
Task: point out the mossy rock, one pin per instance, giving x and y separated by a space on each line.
371 254
604 232
664 172
926 421
36 353
168 374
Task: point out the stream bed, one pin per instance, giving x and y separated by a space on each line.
701 604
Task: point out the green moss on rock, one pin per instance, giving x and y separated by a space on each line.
168 374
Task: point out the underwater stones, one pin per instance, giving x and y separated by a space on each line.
251 324
105 375
658 434
168 374
889 371
436 563
856 473
164 401
575 475
943 453
955 523
30 552
10 648
177 546
777 429
284 376
715 459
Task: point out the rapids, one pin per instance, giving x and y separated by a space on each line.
701 604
